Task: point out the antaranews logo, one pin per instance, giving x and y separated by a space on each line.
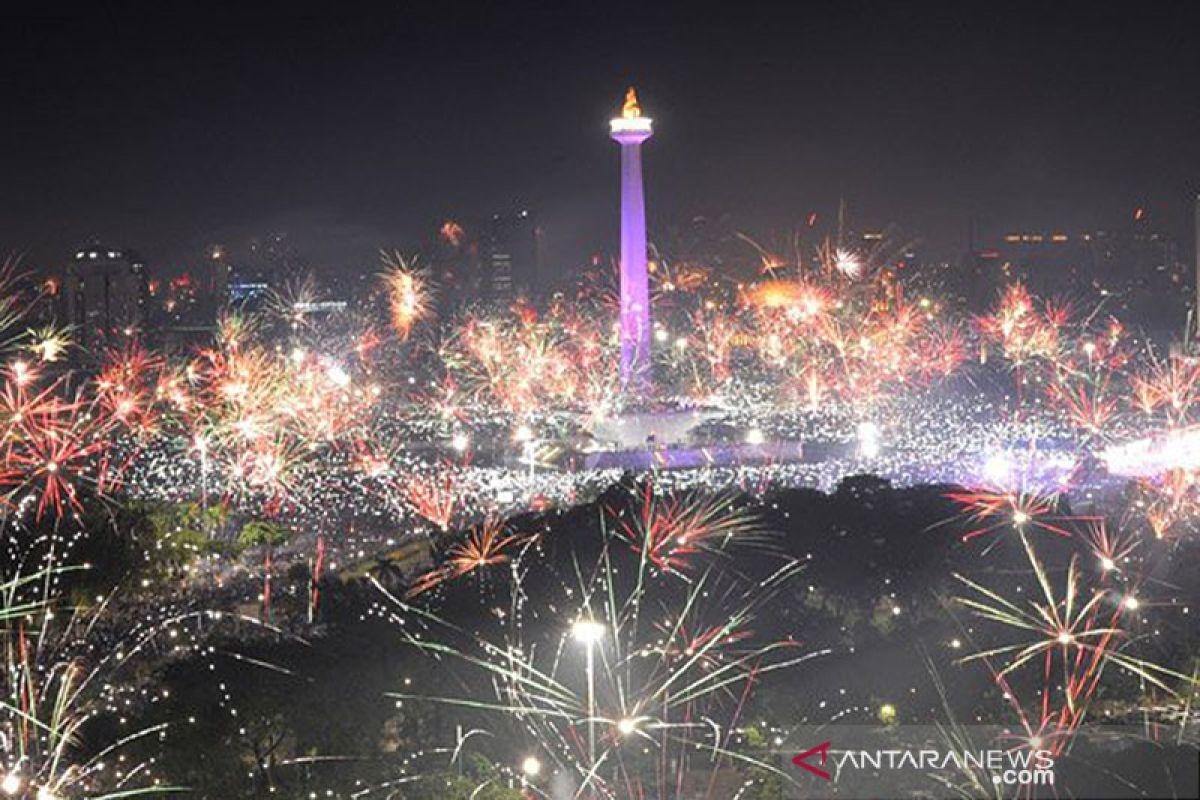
802 760
1017 767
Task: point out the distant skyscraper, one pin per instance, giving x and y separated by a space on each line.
1134 268
630 130
268 264
1050 263
453 259
249 286
107 292
218 274
510 257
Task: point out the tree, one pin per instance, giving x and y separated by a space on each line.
258 532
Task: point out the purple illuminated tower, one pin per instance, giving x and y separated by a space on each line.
630 130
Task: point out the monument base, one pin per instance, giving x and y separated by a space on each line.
638 429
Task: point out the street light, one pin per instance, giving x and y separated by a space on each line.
11 784
200 445
588 633
531 766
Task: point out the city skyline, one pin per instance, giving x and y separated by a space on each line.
601 403
124 141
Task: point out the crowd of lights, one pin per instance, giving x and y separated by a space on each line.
392 426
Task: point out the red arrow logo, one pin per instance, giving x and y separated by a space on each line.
801 760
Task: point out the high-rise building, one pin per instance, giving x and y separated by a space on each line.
1049 263
107 292
510 257
1133 268
253 272
218 273
249 285
452 257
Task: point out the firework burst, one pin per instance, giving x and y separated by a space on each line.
609 666
408 293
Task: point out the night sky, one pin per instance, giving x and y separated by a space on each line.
166 134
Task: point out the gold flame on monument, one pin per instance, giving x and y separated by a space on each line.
631 109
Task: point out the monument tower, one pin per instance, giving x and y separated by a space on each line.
630 130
